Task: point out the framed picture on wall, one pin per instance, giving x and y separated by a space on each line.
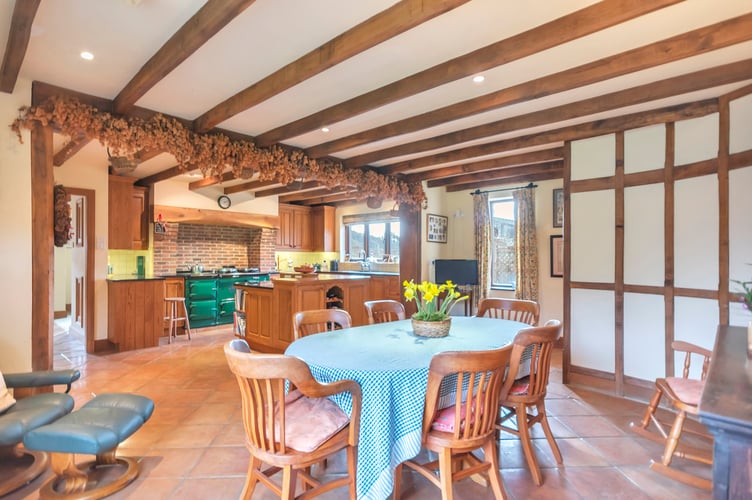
436 228
558 207
557 256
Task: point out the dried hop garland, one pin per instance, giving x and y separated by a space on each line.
211 153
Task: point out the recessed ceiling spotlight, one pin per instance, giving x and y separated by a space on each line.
87 55
325 129
478 79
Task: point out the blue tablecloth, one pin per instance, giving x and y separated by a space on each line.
391 365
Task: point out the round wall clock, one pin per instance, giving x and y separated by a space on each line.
224 202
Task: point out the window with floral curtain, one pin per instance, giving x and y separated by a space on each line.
482 243
526 244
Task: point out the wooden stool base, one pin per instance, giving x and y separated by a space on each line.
70 480
39 462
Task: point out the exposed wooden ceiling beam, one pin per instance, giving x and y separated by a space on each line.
249 186
163 175
73 146
212 17
500 173
553 173
699 80
583 22
18 40
286 189
313 193
210 181
693 43
386 24
581 131
333 199
492 164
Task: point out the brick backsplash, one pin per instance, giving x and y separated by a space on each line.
185 245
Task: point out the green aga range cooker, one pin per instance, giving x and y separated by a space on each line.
210 296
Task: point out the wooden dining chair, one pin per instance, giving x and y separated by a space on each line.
384 311
454 431
683 395
524 311
291 432
306 323
529 392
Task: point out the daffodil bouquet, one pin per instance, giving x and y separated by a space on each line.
426 296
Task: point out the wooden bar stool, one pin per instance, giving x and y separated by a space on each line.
173 318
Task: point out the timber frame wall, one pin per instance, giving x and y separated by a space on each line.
612 188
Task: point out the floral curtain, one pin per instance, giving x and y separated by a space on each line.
526 251
482 244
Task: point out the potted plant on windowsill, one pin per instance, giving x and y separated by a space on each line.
434 303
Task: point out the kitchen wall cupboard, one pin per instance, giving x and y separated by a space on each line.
306 228
135 313
174 287
127 214
294 228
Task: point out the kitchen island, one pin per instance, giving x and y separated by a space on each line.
270 306
135 311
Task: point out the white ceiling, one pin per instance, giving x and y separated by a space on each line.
270 34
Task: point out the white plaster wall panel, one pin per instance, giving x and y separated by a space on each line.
696 139
594 157
696 233
644 336
740 111
644 235
740 226
592 329
592 243
695 321
645 149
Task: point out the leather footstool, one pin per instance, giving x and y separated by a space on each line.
95 429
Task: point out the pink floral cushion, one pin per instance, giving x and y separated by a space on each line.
444 420
6 398
520 386
687 389
309 422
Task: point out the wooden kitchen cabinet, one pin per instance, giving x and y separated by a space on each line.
294 228
135 313
323 220
386 287
127 214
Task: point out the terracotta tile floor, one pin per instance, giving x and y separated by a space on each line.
192 448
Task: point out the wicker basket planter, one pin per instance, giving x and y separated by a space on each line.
432 329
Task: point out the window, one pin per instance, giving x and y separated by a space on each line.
375 235
503 263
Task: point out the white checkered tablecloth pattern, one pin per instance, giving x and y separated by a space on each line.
391 365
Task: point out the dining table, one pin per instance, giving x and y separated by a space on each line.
391 365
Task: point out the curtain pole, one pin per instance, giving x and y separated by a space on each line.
478 191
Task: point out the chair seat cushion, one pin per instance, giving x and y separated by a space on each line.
686 389
445 418
309 422
30 413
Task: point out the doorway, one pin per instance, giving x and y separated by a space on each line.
74 282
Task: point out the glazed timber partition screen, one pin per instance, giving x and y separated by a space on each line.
656 225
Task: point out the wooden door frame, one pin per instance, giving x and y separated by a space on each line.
89 196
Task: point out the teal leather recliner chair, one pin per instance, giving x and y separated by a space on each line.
26 415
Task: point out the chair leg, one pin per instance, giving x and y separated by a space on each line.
254 468
494 476
187 323
673 438
650 411
527 443
397 490
445 473
289 478
352 464
543 417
